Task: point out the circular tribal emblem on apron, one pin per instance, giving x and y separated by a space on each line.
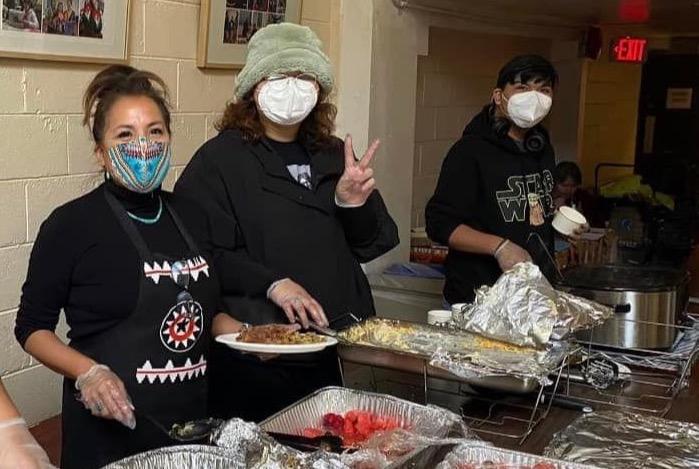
182 326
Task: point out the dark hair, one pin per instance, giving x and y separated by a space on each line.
567 170
527 68
316 131
115 82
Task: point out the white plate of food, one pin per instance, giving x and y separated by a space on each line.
275 340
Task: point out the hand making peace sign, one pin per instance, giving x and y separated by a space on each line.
357 182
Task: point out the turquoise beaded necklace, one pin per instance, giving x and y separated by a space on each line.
149 221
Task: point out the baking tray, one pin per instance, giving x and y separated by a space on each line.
463 455
426 421
419 363
180 457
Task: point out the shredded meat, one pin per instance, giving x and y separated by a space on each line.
280 335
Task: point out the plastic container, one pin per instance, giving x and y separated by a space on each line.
567 220
438 316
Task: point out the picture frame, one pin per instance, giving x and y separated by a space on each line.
89 31
225 27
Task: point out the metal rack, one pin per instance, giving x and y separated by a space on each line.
520 412
654 379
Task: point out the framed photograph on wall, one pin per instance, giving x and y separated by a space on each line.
226 26
67 30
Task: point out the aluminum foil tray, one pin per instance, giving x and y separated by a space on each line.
411 347
418 363
623 440
180 457
425 421
469 456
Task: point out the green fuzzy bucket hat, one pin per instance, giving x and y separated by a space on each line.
283 48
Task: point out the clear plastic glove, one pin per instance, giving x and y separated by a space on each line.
19 449
297 303
103 394
510 255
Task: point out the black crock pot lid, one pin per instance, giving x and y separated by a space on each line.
621 277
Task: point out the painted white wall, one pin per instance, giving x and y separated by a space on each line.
565 123
378 98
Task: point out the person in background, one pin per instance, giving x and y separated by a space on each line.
493 202
295 198
18 448
30 21
91 20
567 178
129 264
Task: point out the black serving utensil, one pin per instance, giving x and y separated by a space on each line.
327 442
188 432
570 404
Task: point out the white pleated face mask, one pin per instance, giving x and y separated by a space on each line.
287 100
529 108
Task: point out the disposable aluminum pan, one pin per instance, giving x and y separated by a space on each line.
469 456
426 421
419 363
181 457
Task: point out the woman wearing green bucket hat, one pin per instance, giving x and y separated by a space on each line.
295 199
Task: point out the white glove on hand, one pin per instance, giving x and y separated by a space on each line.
19 449
104 394
509 254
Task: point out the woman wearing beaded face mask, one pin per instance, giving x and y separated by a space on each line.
287 192
129 265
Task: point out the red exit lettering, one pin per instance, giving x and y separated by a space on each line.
629 49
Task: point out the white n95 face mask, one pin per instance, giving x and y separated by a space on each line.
287 101
529 108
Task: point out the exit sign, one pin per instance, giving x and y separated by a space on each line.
629 49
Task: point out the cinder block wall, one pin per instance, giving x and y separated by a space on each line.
46 156
455 81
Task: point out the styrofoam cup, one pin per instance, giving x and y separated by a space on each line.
567 220
438 316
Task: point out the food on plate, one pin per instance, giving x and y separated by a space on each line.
355 427
278 335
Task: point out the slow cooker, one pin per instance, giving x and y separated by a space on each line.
647 303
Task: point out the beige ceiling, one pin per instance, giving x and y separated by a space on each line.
671 16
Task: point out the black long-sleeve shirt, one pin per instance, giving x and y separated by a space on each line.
287 228
84 263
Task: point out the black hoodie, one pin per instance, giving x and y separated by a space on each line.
481 185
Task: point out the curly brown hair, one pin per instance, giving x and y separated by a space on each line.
316 130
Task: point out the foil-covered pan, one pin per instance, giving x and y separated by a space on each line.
426 425
449 354
254 449
181 457
471 456
522 308
622 440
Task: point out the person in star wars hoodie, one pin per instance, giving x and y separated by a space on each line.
492 205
